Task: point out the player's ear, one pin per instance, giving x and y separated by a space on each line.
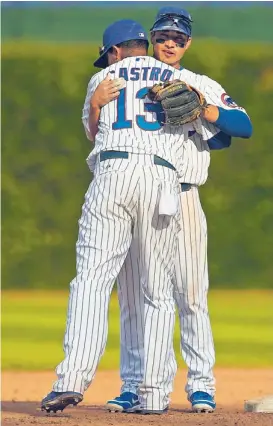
188 43
117 53
112 55
153 37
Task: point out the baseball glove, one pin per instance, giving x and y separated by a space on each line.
181 103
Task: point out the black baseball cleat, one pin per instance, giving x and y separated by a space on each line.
55 401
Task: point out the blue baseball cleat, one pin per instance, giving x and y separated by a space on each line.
202 402
127 402
55 401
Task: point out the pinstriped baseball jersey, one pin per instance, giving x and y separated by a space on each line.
138 125
196 152
133 123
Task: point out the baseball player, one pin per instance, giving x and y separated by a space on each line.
134 195
171 37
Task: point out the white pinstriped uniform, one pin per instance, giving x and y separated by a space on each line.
127 198
121 193
134 139
131 138
191 285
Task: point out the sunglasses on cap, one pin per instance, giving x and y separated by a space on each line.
173 22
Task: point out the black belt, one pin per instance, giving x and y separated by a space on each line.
158 161
108 155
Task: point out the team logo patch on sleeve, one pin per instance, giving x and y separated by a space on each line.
227 100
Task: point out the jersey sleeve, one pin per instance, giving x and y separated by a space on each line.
92 85
216 95
208 130
205 129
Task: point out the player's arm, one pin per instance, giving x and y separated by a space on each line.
224 113
219 141
92 86
93 121
215 138
232 122
100 91
106 92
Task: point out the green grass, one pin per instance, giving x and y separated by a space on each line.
33 325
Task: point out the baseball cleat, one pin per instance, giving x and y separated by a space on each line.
55 401
202 402
127 402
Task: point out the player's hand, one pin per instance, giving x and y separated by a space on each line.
211 113
181 102
107 91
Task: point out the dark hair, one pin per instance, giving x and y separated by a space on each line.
132 44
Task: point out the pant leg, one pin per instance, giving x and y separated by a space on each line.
131 301
191 290
157 236
103 242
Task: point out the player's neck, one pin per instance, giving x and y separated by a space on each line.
137 52
177 66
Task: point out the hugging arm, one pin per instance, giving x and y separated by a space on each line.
224 113
106 92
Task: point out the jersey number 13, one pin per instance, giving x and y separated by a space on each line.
123 123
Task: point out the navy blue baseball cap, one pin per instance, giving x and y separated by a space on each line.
116 33
173 19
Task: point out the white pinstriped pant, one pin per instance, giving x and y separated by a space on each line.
122 200
191 287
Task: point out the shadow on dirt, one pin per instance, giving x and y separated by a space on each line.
32 408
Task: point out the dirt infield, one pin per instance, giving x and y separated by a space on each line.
22 392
